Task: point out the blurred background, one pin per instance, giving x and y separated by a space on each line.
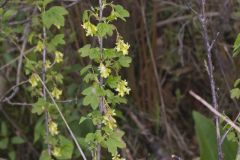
168 61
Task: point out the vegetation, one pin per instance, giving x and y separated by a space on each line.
119 80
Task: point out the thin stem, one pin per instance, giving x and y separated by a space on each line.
208 47
214 111
101 105
64 120
44 52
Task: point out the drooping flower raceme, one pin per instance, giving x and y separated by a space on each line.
90 28
121 46
58 57
34 80
122 88
53 128
109 120
56 152
104 71
56 93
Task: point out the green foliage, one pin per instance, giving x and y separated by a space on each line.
236 46
39 106
125 61
115 141
17 140
9 13
104 29
106 86
91 97
55 42
206 135
4 143
44 156
66 147
54 16
120 12
235 93
42 65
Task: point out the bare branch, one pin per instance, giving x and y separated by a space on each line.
208 48
214 111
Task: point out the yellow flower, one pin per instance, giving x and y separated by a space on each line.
121 46
122 88
34 80
90 28
58 56
56 93
47 64
39 46
117 157
56 152
104 71
108 119
53 128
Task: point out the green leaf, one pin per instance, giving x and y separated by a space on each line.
121 12
9 13
92 100
94 54
82 119
1 11
4 143
85 15
17 140
85 69
125 61
115 141
109 53
55 41
12 155
235 93
89 91
236 46
54 16
39 106
237 82
84 51
90 77
66 147
46 2
39 129
45 156
91 97
104 29
4 130
112 81
206 136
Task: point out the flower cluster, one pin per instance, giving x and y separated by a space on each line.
33 80
117 157
104 71
53 129
90 28
121 46
122 88
56 93
58 57
108 119
56 152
